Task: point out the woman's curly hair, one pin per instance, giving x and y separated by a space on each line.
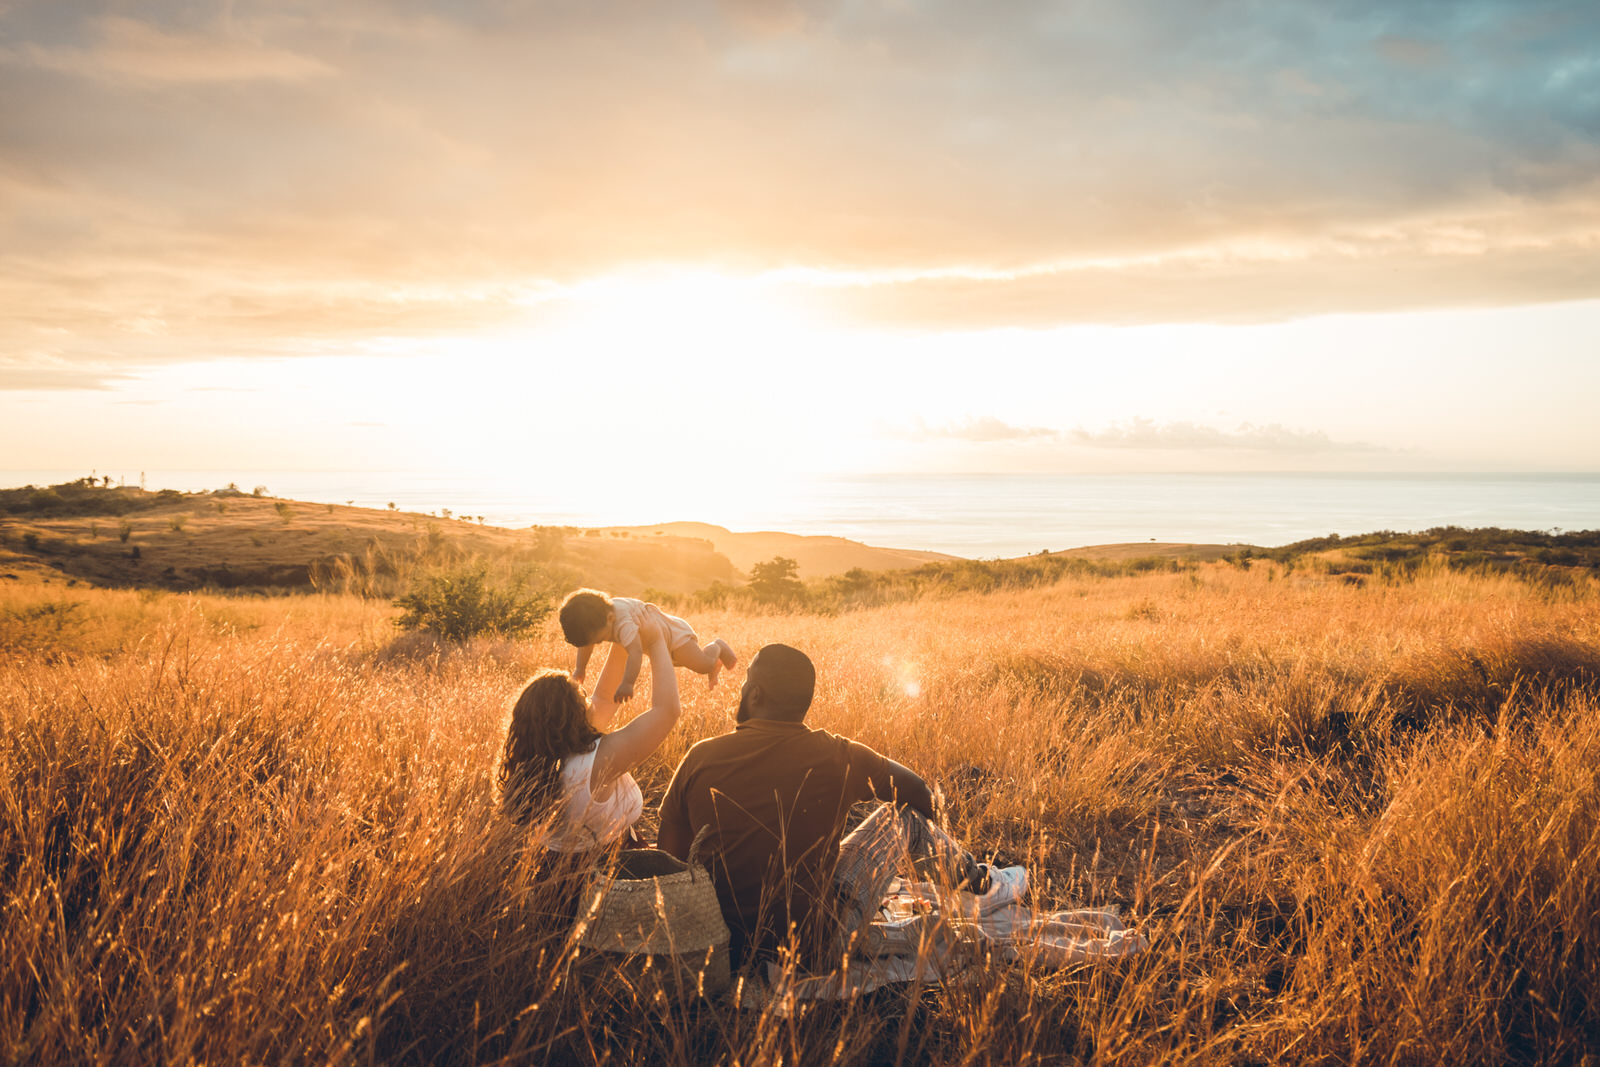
549 722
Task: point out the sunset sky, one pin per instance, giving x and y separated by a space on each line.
886 235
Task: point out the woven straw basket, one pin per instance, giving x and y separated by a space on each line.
655 913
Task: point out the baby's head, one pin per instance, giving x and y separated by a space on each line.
584 615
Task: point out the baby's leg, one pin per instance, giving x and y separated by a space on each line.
708 660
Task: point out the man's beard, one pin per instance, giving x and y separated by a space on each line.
743 714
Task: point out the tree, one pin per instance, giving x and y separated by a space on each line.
462 602
777 581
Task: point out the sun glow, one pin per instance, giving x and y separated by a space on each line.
663 389
693 315
674 365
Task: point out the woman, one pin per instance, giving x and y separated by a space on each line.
560 766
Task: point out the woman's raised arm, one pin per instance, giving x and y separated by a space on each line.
619 752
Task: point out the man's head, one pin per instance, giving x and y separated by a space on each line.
778 685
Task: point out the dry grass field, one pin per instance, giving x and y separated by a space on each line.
1359 823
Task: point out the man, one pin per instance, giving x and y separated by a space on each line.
774 797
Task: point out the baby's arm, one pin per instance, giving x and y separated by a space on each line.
584 652
630 673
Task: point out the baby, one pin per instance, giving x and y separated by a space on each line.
589 617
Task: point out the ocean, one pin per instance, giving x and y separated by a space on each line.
976 516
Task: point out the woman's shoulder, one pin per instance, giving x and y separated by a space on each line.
576 767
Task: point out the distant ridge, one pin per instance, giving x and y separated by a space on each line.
1148 549
817 556
128 537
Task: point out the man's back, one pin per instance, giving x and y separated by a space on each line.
775 796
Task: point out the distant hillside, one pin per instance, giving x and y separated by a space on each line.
1153 550
124 537
817 557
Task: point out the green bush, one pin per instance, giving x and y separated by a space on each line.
85 496
462 602
777 581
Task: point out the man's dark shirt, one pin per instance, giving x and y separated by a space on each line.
776 796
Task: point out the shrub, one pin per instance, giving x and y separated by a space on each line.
777 581
176 522
124 531
462 602
549 543
285 512
31 541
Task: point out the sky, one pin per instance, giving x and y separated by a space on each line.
721 238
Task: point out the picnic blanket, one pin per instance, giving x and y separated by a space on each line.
925 935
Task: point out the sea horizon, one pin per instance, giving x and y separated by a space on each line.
969 515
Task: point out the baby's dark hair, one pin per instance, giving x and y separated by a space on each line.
582 614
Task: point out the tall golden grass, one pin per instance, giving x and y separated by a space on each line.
1358 824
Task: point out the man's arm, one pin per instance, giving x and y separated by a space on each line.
901 785
675 835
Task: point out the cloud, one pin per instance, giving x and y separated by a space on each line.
282 171
981 429
129 50
39 372
1478 259
768 17
1145 434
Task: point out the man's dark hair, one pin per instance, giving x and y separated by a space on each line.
787 679
583 613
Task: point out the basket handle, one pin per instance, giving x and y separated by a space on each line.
694 848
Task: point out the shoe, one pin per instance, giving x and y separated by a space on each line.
1006 886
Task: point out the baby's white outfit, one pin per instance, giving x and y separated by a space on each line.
588 823
633 615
